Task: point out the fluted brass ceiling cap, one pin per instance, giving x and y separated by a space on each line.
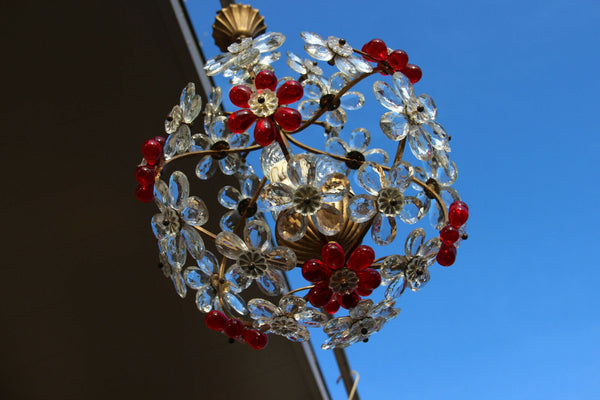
235 22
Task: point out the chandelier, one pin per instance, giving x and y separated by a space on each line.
298 206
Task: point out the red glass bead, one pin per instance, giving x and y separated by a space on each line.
459 204
458 215
239 95
449 234
288 118
446 255
216 320
160 140
369 279
151 151
398 59
412 72
265 132
349 301
377 49
315 271
290 92
144 175
361 258
240 121
144 194
234 328
265 80
320 295
333 306
255 339
363 292
332 254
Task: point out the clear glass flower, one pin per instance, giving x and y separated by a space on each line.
305 67
410 117
290 319
385 200
204 278
335 50
238 202
312 184
190 105
322 93
242 57
364 320
256 257
412 269
219 138
179 214
355 146
172 273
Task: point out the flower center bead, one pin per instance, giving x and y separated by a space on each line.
415 112
283 325
244 206
263 103
220 146
356 158
307 200
253 263
390 201
417 273
171 221
327 102
343 281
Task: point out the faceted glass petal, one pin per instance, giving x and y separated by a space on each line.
219 129
394 125
206 168
384 309
383 231
313 38
359 139
208 264
437 135
346 66
179 283
337 325
337 146
378 156
311 318
229 220
200 142
360 64
301 169
362 309
271 283
229 197
276 196
190 103
282 258
272 157
362 208
318 52
173 119
308 108
183 139
336 118
430 249
301 334
247 58
179 189
268 41
396 288
218 64
161 194
412 211
328 220
427 102
234 304
403 86
296 63
229 164
193 242
260 308
419 143
204 298
371 177
401 175
290 304
337 82
194 212
414 240
314 87
176 253
230 245
291 225
335 188
387 97
237 279
257 235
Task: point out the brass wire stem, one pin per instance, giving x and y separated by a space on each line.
400 151
336 98
205 232
437 197
316 151
299 289
206 153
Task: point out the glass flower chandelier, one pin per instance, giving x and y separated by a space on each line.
300 206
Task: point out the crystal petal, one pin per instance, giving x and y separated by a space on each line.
430 109
414 240
301 169
385 310
194 212
371 177
239 140
282 258
183 139
362 309
200 142
176 253
308 108
219 129
237 279
230 245
262 309
194 277
383 231
362 208
190 103
328 220
229 164
335 188
337 82
326 167
208 264
401 175
403 86
276 196
247 58
394 125
301 334
313 38
218 64
352 100
360 64
378 156
437 135
257 235
179 283
206 168
268 41
412 211
173 119
170 147
158 227
396 288
291 225
359 139
272 157
430 249
337 325
387 97
419 143
296 63
193 242
346 66
271 283
234 304
290 304
179 189
318 52
229 220
311 318
229 197
336 118
337 146
314 87
215 97
204 298
161 194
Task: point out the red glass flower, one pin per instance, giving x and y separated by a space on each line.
265 105
340 282
396 60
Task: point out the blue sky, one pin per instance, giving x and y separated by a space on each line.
516 86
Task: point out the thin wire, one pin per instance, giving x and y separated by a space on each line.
354 384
